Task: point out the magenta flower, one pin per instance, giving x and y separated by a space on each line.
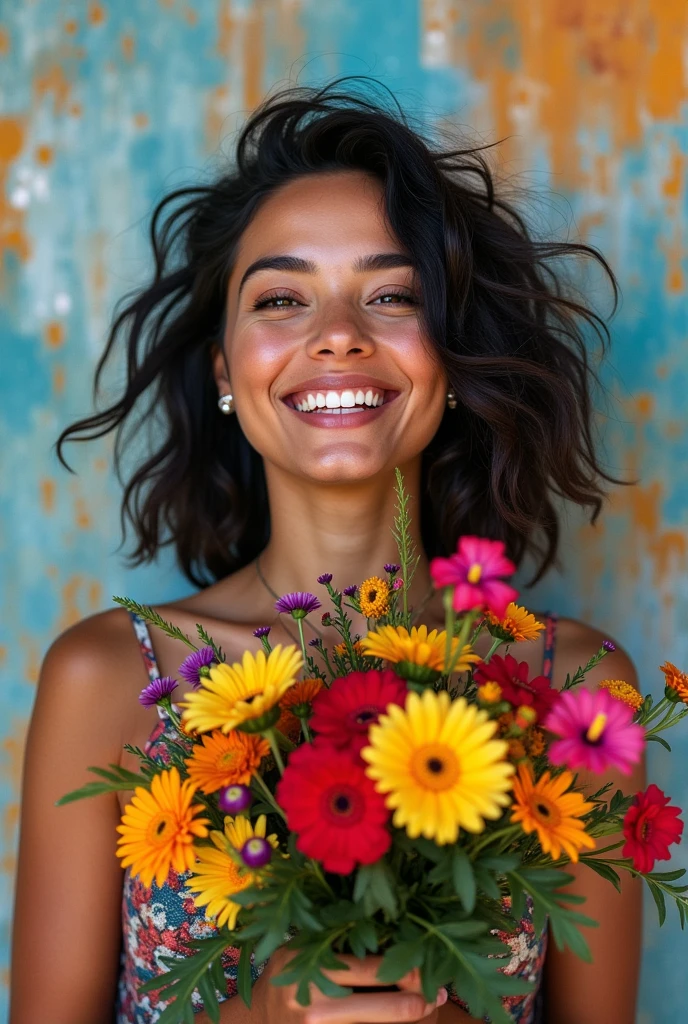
596 732
391 567
398 583
158 691
190 668
256 852
325 578
261 632
298 605
234 799
476 572
350 591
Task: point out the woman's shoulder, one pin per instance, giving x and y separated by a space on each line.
577 642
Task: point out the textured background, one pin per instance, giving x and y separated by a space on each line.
104 106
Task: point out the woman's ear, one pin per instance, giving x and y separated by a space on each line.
220 370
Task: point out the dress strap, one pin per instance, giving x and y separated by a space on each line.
550 642
145 645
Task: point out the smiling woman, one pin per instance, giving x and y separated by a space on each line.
354 298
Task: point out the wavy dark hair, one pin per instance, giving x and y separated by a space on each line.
510 336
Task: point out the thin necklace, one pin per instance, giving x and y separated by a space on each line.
277 597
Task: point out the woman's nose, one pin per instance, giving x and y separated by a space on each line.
340 334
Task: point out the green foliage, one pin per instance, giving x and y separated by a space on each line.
401 531
115 778
202 971
155 619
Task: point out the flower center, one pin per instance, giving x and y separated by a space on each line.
435 767
596 727
546 812
160 829
474 573
645 830
362 718
342 805
227 759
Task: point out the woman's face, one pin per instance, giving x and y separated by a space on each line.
332 377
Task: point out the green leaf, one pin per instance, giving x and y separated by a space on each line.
658 897
518 897
463 929
399 960
486 882
374 887
184 977
244 975
658 739
115 779
463 879
667 876
604 869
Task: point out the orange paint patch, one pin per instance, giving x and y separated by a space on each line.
95 595
76 110
96 14
669 551
4 42
127 44
191 16
82 517
254 48
3 654
58 380
11 138
47 489
12 754
645 405
71 26
32 659
52 571
44 155
141 120
53 82
100 465
672 186
54 334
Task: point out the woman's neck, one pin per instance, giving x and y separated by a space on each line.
344 529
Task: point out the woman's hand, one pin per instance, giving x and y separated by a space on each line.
278 1003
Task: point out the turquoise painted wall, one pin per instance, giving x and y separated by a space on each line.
104 106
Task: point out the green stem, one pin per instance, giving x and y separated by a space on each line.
495 644
299 623
462 638
274 747
667 722
448 601
487 838
306 731
284 741
265 792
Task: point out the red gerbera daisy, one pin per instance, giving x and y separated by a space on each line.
334 808
512 678
650 827
343 714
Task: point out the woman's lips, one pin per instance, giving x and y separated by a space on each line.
346 408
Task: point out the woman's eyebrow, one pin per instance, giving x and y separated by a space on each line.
376 261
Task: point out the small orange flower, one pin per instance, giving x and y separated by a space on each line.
518 622
226 760
535 741
489 693
374 597
301 694
676 680
623 691
342 650
517 751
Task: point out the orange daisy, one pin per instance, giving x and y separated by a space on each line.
518 623
546 807
226 760
301 696
675 680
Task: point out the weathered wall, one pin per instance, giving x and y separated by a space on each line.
103 106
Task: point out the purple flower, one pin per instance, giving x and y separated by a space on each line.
325 578
298 604
608 645
314 643
350 591
190 668
256 852
234 799
158 690
261 631
391 567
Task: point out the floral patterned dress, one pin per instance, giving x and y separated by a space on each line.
159 921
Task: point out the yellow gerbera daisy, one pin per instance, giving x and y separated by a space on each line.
624 692
546 808
373 596
440 765
675 680
518 622
419 647
218 875
242 695
158 828
226 760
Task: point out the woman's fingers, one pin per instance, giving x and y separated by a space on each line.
382 1008
364 972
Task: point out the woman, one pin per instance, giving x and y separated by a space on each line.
355 300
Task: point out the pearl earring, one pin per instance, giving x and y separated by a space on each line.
451 400
225 404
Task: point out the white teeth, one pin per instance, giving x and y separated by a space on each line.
376 399
348 400
332 400
320 400
369 398
335 401
311 402
360 398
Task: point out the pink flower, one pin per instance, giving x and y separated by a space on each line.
597 732
512 678
475 572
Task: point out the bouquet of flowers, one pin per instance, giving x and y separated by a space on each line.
396 794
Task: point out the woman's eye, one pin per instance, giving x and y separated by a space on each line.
276 302
395 299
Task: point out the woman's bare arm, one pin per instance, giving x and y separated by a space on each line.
603 992
67 928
